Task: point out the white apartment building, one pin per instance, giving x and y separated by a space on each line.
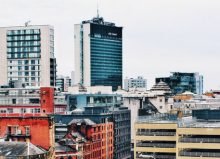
27 55
138 83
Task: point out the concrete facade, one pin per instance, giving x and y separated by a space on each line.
175 138
27 55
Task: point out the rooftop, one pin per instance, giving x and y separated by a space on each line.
188 121
99 20
80 121
12 149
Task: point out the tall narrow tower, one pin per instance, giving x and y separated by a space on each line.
98 53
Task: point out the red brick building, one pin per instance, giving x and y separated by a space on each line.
37 130
88 139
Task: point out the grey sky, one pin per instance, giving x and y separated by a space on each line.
160 36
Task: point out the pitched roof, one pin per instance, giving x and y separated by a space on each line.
80 121
10 149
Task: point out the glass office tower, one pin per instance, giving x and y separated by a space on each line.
98 53
180 82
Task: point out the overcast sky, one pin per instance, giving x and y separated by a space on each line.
159 36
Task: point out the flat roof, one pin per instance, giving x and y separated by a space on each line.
185 122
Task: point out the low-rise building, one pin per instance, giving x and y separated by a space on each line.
166 136
37 130
31 101
88 140
102 115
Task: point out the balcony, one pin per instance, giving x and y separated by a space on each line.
159 145
18 135
156 133
156 155
199 140
213 154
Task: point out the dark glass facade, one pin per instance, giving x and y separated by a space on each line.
180 82
106 55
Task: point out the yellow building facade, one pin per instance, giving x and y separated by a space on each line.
160 138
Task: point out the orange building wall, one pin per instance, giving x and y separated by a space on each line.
101 144
40 129
183 97
98 145
47 100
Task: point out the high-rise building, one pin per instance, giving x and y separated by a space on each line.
138 83
180 82
98 53
27 55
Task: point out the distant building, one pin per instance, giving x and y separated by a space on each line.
63 83
180 82
98 53
166 136
27 55
138 83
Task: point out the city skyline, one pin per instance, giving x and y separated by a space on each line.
159 37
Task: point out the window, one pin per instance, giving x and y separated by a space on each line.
13 101
26 62
35 110
23 110
32 62
19 62
32 67
32 73
19 68
26 68
10 110
27 130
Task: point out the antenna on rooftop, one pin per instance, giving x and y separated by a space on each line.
97 9
27 23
